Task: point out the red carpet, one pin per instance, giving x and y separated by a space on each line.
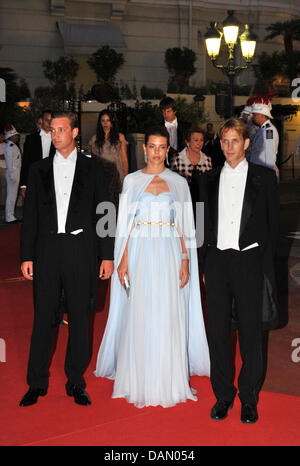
57 420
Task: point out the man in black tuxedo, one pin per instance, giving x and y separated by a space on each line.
177 129
59 251
37 146
241 218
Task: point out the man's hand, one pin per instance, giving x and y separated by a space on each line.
106 269
23 192
27 270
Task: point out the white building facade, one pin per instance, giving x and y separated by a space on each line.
35 30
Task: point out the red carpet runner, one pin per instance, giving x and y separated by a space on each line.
57 420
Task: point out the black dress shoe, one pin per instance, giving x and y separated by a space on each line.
219 410
80 396
31 397
249 413
13 222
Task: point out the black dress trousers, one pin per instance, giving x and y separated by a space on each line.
67 262
235 276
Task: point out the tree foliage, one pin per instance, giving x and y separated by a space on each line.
105 62
16 91
290 31
269 67
181 66
145 114
61 75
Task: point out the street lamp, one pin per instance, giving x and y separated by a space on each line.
213 39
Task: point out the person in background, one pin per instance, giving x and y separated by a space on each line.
209 134
111 147
2 168
176 128
39 123
13 160
264 146
37 146
191 158
246 115
212 147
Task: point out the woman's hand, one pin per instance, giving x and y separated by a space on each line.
184 273
123 268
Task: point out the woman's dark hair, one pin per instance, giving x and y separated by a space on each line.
113 133
157 131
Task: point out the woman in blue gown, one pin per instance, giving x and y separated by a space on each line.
155 336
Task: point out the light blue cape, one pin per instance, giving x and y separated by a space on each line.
134 185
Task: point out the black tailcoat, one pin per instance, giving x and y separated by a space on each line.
32 152
65 262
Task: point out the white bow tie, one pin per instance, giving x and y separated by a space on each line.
170 125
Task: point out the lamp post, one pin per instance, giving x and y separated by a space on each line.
213 39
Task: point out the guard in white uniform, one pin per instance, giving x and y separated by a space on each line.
246 115
264 146
13 162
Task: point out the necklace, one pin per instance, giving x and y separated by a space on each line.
194 160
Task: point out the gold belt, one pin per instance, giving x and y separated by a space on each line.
169 224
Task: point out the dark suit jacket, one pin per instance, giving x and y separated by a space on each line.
259 223
40 214
32 152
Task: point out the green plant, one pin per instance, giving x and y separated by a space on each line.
267 68
180 64
151 93
61 74
144 115
290 31
105 62
46 97
16 90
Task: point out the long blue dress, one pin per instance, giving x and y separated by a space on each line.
151 365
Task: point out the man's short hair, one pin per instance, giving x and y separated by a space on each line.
72 117
237 124
167 102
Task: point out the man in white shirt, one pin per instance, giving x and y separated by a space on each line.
241 225
37 146
59 252
177 129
